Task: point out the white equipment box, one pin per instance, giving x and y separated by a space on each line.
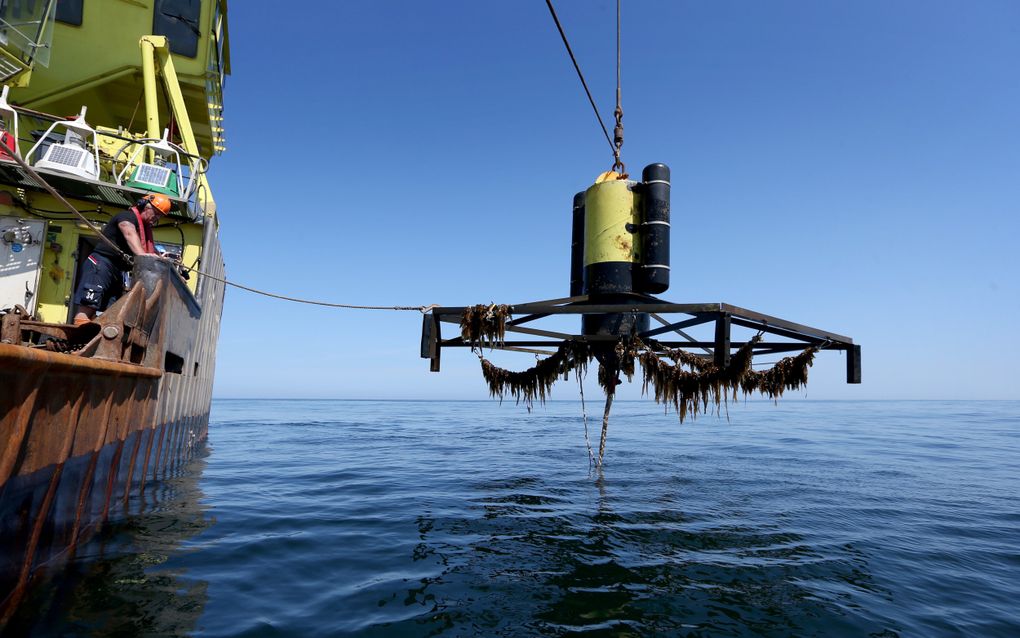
21 248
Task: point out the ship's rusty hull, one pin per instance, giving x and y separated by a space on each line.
84 434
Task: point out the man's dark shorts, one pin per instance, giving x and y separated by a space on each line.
101 283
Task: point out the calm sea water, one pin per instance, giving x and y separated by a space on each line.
362 518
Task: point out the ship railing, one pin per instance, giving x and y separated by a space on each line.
116 149
127 158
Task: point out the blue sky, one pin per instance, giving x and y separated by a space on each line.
848 165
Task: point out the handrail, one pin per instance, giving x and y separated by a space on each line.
196 186
40 115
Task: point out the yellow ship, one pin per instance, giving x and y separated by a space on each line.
104 102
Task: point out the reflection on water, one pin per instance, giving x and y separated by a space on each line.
117 583
634 572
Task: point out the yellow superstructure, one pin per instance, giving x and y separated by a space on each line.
140 67
98 64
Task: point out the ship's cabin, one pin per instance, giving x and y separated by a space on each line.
103 115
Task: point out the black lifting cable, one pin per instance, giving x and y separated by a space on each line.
618 113
581 76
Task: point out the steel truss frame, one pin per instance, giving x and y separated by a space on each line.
725 316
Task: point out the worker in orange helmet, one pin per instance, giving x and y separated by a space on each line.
102 279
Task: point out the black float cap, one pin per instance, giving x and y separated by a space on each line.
655 171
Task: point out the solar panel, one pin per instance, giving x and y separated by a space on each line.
66 155
153 175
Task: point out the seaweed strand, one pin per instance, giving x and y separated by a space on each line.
691 383
485 325
535 382
691 391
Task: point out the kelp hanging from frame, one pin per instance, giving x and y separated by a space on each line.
789 373
536 382
692 384
693 391
484 325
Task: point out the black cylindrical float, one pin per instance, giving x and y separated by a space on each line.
577 247
653 273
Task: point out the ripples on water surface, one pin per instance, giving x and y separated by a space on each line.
370 518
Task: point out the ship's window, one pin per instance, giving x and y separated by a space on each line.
178 21
70 11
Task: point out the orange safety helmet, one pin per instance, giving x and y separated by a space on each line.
158 201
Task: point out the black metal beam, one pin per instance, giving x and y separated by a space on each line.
793 334
589 309
530 350
775 322
676 327
455 318
724 315
436 348
753 319
722 341
533 305
426 336
525 319
853 364
457 342
775 348
538 333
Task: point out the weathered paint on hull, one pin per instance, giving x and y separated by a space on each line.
83 437
54 509
80 445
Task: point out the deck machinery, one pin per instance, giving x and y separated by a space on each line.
619 261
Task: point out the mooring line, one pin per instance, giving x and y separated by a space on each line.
584 419
423 309
605 426
129 258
